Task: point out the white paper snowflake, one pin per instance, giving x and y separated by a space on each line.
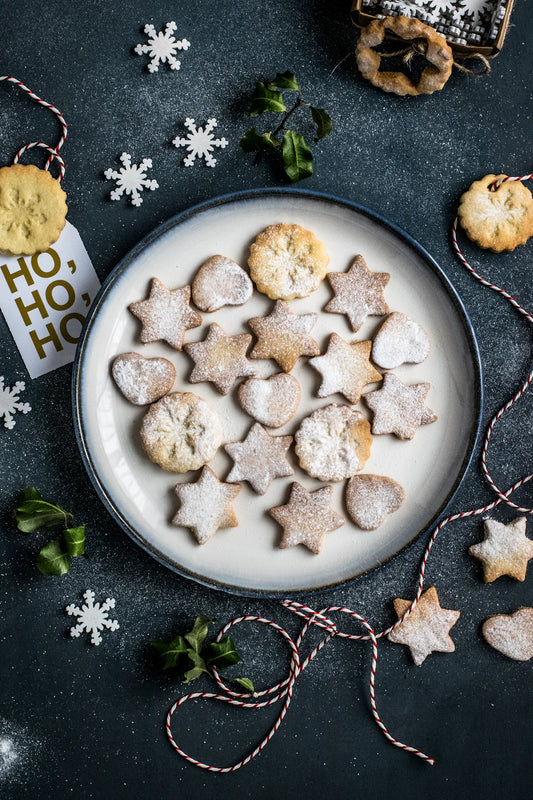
475 7
92 617
200 142
131 179
437 7
162 47
10 403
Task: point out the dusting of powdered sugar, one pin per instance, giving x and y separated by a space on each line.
142 380
370 498
220 282
272 401
399 341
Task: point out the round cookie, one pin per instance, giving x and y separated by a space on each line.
287 261
333 443
181 432
497 220
220 282
142 380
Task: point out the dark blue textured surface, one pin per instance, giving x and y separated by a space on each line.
88 722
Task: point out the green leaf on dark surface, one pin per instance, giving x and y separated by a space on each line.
297 156
323 122
75 540
222 654
265 100
252 141
197 669
246 683
54 558
196 636
284 80
34 513
172 653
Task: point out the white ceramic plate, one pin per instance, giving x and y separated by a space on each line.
246 559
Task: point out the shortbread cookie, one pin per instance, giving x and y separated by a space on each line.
220 358
143 380
220 282
505 550
32 210
511 634
345 368
307 517
370 498
426 628
399 408
399 341
260 458
286 261
333 443
498 219
271 401
181 432
166 314
206 505
284 336
358 292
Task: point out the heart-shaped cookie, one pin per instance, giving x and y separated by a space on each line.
272 401
400 340
511 634
220 282
142 380
370 498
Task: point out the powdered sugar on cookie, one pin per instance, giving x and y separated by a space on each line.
272 401
220 282
371 498
399 341
142 380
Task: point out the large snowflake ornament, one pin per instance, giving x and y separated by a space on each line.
10 403
162 47
200 142
131 179
92 617
475 7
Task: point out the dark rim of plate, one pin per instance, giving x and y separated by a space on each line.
146 242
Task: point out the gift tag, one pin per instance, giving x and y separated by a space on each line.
45 298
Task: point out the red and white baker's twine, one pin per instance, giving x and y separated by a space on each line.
284 689
53 152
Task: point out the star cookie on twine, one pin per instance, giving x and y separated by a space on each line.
358 292
220 358
426 628
284 336
307 517
505 550
166 314
260 458
206 505
345 367
399 408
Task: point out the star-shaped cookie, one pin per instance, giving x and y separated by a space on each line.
345 368
284 336
358 292
259 458
426 628
206 505
399 408
166 314
307 517
505 550
220 358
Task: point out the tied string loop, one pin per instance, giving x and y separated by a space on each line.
53 152
418 47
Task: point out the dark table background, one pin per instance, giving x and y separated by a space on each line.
88 722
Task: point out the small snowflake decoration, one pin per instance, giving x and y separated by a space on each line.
200 142
162 47
131 179
10 403
92 617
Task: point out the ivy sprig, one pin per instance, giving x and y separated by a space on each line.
296 154
33 513
193 657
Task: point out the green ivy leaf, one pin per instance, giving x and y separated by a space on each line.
284 80
34 512
54 558
222 654
75 540
323 122
297 156
197 669
252 141
172 653
246 683
265 100
196 636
